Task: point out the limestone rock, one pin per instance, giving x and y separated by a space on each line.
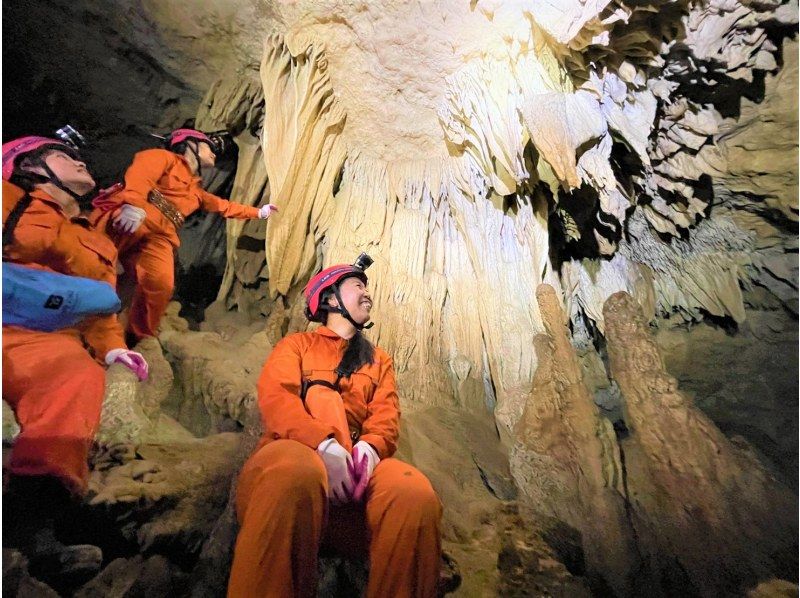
18 582
215 380
755 369
169 498
10 426
138 576
774 588
565 459
130 407
688 486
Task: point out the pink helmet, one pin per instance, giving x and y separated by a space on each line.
179 135
24 145
324 280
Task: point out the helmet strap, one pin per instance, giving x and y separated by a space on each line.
82 200
193 145
346 314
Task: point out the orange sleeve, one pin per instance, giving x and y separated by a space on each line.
229 209
103 333
381 427
143 174
282 410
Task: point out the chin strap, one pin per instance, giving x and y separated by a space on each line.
192 145
83 200
345 314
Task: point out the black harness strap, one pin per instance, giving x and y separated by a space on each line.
306 384
13 219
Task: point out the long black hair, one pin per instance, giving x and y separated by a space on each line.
359 352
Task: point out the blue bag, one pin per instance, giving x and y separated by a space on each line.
48 301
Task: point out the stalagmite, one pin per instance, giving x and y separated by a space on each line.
566 460
707 515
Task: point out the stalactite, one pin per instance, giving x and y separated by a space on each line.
435 177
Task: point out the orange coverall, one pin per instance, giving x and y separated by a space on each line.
281 498
50 380
148 253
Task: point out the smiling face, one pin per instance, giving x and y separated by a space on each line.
356 299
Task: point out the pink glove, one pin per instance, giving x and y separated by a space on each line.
131 360
337 465
266 211
365 458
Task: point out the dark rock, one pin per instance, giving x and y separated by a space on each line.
17 582
137 577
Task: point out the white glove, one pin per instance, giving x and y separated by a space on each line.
338 464
266 211
130 359
365 458
128 218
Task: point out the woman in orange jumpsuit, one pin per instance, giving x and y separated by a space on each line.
162 188
54 381
304 487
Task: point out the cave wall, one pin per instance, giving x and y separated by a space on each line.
572 145
117 72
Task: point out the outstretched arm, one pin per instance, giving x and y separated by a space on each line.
229 209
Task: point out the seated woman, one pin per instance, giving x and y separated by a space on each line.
305 486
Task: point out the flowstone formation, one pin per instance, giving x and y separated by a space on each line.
592 147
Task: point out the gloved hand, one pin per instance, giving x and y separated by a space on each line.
365 458
266 211
128 218
131 360
338 463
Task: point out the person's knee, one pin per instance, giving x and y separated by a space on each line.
415 496
424 503
157 282
288 468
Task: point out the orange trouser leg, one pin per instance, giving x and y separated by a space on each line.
403 520
56 391
281 503
400 526
152 264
